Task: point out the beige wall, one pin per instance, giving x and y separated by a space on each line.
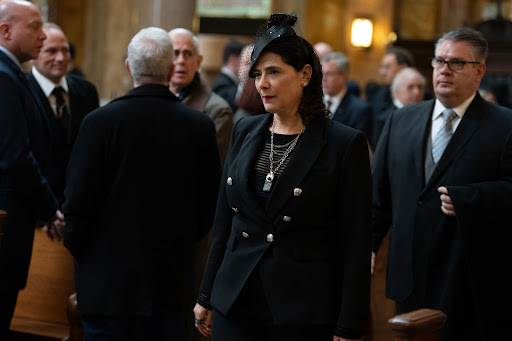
109 27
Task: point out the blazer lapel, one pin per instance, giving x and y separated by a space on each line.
467 127
302 160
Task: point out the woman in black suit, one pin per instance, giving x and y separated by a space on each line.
290 254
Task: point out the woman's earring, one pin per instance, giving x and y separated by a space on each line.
304 85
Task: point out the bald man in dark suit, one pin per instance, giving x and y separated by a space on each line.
24 192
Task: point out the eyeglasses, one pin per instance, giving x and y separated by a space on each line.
454 65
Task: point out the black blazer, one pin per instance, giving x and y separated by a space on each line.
83 98
24 192
453 263
142 183
226 88
355 113
320 238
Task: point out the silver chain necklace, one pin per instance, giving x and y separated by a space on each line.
270 175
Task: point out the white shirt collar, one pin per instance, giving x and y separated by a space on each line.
47 85
229 73
397 103
336 98
459 110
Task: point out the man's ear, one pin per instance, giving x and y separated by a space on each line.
171 72
481 71
5 31
199 61
127 66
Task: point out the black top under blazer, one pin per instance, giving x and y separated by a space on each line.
319 268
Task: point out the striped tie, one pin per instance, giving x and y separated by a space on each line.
444 135
328 106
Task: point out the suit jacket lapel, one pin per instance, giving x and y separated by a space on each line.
338 114
467 127
302 160
47 114
420 127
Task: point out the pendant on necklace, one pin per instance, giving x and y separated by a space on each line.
268 182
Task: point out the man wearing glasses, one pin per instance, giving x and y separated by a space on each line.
443 184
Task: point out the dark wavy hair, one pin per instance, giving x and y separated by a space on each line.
297 52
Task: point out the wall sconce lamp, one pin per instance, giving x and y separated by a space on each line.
362 32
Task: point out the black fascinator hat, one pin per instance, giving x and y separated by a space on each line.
279 25
279 37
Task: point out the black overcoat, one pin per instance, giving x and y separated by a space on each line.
141 188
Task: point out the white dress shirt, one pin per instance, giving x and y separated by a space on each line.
335 101
47 86
437 117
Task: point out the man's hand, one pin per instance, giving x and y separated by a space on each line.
446 202
54 228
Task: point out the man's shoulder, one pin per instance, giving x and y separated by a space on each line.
222 80
6 66
79 81
217 104
153 103
497 114
420 107
357 103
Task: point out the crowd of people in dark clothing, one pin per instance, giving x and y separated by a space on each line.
253 209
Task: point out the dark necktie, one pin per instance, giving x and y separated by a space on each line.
444 135
328 105
62 110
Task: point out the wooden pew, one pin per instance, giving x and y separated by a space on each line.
41 309
418 325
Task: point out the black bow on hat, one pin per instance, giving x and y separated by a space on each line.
279 25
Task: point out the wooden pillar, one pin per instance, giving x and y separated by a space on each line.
452 14
109 27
